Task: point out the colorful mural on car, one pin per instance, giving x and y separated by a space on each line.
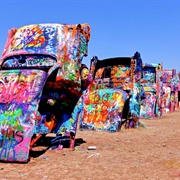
113 94
170 90
40 84
151 105
178 93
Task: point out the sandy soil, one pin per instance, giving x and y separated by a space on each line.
151 152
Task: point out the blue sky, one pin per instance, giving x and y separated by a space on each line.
119 28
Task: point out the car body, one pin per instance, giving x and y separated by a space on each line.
40 83
114 94
151 105
170 90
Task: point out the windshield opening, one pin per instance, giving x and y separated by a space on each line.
149 75
38 61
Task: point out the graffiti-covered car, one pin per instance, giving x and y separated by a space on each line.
113 94
170 90
151 105
40 83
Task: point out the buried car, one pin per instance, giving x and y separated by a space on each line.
40 83
113 94
151 105
170 90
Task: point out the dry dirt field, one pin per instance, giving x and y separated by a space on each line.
151 152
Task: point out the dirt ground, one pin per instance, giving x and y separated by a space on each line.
151 152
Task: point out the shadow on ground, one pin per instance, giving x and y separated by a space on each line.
46 143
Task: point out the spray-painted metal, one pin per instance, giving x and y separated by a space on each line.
40 84
151 105
178 94
113 94
170 90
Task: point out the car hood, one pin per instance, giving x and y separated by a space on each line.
20 92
